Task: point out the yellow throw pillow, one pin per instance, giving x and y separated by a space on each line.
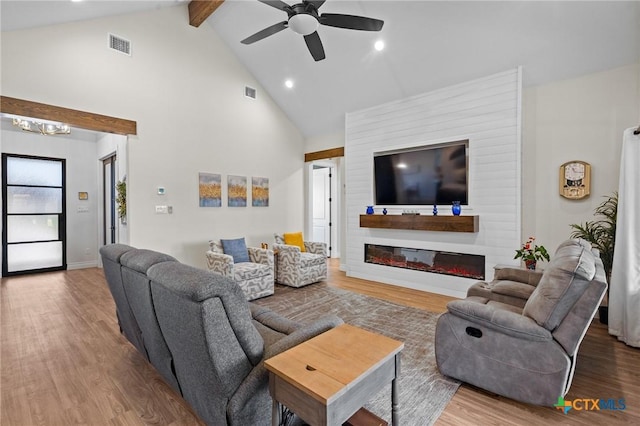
294 239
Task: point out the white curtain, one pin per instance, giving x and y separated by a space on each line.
624 291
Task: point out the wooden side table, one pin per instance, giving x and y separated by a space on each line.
326 379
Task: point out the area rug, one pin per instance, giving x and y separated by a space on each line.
423 391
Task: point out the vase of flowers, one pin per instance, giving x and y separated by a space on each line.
531 253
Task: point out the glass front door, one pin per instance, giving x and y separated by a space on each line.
33 214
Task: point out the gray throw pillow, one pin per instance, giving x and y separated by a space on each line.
237 249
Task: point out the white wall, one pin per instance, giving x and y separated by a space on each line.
80 156
322 142
485 111
184 89
578 119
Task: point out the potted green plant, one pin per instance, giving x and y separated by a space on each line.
531 253
601 233
121 200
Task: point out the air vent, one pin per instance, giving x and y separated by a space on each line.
120 44
249 92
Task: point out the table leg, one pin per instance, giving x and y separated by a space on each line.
395 416
275 413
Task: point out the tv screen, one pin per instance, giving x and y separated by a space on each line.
433 174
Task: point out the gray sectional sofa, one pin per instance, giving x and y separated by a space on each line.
527 352
198 330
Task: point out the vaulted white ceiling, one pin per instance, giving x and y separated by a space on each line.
429 45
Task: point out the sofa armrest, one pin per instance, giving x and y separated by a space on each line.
500 320
273 320
303 334
220 263
316 248
260 255
525 276
257 380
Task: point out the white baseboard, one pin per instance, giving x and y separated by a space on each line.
82 265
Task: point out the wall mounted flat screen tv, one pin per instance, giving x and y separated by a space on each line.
426 175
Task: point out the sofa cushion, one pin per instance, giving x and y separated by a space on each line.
141 260
513 288
308 260
249 270
294 239
236 248
562 284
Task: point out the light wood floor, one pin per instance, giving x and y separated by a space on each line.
63 362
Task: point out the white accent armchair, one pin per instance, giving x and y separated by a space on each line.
296 268
255 278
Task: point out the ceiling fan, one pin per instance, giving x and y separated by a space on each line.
303 18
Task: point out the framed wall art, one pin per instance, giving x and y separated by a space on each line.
259 192
210 189
237 191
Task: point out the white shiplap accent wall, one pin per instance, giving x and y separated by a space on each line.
486 111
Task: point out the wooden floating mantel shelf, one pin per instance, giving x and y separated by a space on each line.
421 222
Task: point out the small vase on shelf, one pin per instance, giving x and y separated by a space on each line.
384 211
455 208
369 209
435 210
530 264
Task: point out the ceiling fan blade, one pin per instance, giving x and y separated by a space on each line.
280 5
351 22
315 46
275 28
316 3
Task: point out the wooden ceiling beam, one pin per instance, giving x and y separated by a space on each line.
72 117
200 10
321 155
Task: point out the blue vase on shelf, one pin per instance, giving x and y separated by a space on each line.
369 209
435 210
384 211
456 209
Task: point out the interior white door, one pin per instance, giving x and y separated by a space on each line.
322 205
33 214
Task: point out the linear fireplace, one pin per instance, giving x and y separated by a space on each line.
438 262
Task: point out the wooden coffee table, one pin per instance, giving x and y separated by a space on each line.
326 379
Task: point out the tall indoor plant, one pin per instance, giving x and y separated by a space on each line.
601 233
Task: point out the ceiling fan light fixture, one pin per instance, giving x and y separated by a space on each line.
303 23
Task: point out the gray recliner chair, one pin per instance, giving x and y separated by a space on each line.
527 354
219 342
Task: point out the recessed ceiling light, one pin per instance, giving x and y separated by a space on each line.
379 45
289 83
76 1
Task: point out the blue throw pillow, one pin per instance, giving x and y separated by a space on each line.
237 249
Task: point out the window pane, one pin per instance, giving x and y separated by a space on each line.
34 200
32 228
22 257
29 171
